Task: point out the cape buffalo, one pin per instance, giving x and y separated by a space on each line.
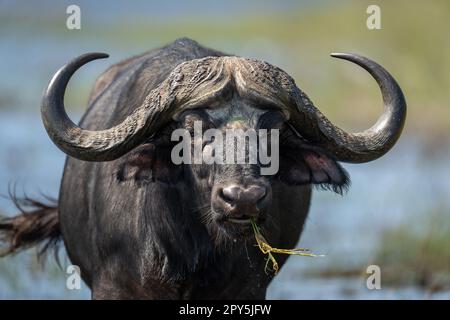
140 226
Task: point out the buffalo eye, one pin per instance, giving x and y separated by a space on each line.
272 119
188 118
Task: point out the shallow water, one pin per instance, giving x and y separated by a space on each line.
397 189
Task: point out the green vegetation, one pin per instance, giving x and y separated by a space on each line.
416 253
267 249
418 256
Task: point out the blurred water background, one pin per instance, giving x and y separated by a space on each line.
396 214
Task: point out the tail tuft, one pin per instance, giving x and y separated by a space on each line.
37 225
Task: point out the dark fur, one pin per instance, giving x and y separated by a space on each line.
139 228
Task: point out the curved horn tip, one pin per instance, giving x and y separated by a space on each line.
81 60
345 56
95 55
100 55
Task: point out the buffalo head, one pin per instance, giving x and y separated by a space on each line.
228 93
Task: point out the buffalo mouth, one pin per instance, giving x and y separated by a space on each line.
239 226
244 220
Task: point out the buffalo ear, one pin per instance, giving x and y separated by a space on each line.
312 166
148 163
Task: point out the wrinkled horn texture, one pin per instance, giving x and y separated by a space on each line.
196 82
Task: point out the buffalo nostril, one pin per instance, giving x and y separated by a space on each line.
231 193
235 194
255 193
